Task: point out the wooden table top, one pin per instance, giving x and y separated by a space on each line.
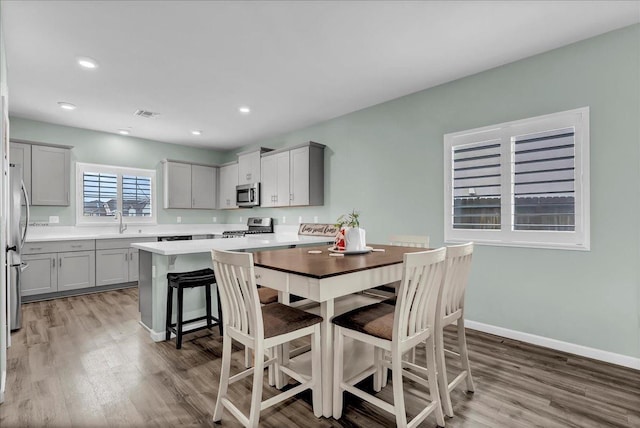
299 261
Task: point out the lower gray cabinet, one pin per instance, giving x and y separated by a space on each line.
52 272
112 266
134 263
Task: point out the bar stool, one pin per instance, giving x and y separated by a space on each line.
180 281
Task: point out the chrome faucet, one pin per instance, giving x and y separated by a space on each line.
117 215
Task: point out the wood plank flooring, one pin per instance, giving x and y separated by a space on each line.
85 361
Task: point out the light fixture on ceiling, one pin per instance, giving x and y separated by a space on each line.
66 106
88 63
124 131
196 132
244 110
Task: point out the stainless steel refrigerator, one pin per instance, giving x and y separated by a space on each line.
17 234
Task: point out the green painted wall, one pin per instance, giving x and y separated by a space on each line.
114 149
387 162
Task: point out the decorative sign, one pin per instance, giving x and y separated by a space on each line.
318 229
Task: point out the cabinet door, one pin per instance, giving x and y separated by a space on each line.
249 168
40 275
177 185
112 266
76 269
50 175
269 181
282 187
299 176
228 183
20 154
134 263
203 187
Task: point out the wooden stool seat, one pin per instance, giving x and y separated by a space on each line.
180 281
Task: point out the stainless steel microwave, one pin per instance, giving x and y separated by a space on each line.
248 195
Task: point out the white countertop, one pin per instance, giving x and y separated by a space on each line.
67 233
251 242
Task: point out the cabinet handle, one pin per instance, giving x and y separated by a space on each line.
53 263
35 248
193 202
76 246
249 176
126 257
60 261
291 196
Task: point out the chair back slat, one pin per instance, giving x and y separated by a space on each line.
235 276
456 277
419 241
418 293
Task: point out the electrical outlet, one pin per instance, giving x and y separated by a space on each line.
299 219
54 219
284 219
315 218
240 219
215 219
179 219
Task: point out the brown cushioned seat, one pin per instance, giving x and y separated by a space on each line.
267 295
376 320
281 319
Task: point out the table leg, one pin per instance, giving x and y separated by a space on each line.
327 311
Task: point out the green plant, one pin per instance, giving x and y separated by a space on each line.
348 220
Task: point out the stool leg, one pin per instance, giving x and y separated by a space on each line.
208 297
179 323
169 312
219 311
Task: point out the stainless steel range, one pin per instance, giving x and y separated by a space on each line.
254 225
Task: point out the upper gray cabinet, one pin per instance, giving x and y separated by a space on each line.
50 181
227 188
20 155
189 185
249 166
293 176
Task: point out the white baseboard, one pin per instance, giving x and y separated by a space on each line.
572 348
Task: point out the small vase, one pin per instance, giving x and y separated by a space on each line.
355 238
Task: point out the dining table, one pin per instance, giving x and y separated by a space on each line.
322 274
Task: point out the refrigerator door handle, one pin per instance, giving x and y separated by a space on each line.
23 266
26 223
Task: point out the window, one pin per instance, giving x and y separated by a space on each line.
522 183
102 190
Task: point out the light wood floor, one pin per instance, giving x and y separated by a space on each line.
85 361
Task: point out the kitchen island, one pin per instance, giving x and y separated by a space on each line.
159 258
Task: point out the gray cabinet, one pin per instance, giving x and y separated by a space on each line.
58 266
293 176
50 181
249 167
116 261
20 154
227 189
189 185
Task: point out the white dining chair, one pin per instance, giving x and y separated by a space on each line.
395 329
260 328
451 311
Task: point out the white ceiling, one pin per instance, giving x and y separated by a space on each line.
295 63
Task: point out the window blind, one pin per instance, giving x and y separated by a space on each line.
543 196
99 193
136 196
477 185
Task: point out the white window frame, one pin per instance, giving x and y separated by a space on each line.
81 219
579 239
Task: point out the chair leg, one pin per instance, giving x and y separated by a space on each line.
169 313
398 392
442 372
224 378
464 354
385 373
247 357
378 355
256 395
338 371
433 381
316 372
207 294
179 321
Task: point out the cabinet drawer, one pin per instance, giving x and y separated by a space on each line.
109 244
58 246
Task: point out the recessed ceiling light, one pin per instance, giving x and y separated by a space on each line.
66 106
124 131
196 132
86 62
244 110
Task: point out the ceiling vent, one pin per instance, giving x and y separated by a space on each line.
146 113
